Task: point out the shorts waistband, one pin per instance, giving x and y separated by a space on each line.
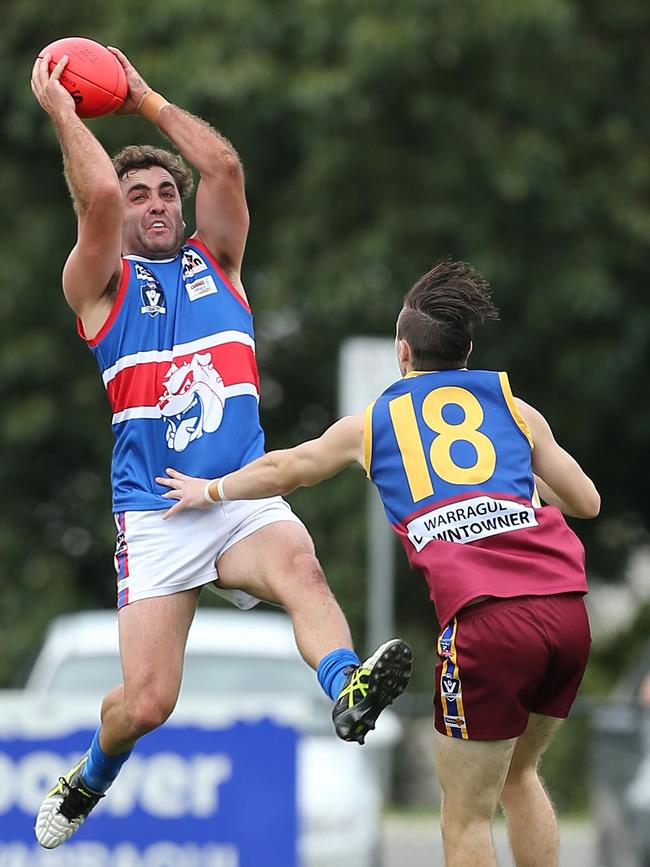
469 612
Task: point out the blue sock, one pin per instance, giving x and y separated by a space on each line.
100 770
330 671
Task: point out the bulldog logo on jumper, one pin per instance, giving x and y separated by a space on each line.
193 401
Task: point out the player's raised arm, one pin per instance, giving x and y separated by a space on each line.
560 480
95 192
221 211
276 473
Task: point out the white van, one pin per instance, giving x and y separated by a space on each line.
246 663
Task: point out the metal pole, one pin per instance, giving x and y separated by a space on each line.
381 573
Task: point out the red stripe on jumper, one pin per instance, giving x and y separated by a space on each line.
115 309
142 384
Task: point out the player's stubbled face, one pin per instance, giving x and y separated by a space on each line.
153 216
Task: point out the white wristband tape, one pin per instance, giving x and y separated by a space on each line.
222 496
206 492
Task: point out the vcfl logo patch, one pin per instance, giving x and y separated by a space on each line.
152 305
450 687
151 293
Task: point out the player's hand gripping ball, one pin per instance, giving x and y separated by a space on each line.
93 76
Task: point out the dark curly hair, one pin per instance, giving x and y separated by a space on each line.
145 156
439 312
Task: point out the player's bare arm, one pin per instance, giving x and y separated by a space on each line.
96 196
221 211
560 480
276 473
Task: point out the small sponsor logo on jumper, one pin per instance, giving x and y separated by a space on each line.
201 287
143 273
450 687
192 264
455 722
469 520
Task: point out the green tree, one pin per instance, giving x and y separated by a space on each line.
377 139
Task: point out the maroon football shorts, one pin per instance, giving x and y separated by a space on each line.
503 659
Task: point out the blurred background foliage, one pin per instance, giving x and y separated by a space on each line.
376 139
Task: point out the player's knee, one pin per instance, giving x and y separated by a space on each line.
150 712
519 782
300 581
308 569
309 574
458 817
457 830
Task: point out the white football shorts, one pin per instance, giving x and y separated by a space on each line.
156 558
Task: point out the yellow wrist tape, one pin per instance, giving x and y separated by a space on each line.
206 492
151 105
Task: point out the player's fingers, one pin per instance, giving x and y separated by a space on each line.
40 72
58 69
172 495
168 483
177 507
36 67
121 56
175 474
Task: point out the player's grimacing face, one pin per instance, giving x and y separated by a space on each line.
153 213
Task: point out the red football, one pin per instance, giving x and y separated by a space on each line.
93 75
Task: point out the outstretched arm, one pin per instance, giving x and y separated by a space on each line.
278 472
560 479
221 211
96 196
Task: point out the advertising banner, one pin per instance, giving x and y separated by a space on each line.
187 797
